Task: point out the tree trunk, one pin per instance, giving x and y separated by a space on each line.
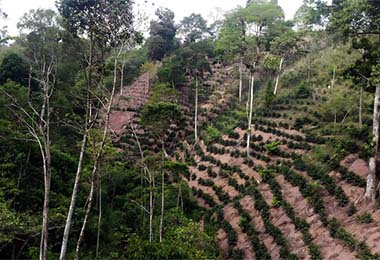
372 180
151 186
250 112
196 111
45 210
88 209
46 155
73 197
30 82
99 218
122 78
99 154
308 69
361 108
278 76
333 78
162 203
240 80
151 206
80 160
370 189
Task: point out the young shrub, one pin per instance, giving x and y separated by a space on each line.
364 218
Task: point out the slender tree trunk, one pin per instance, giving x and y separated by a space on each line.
45 129
45 211
361 108
372 180
99 218
122 78
66 231
99 154
30 82
250 113
88 209
162 201
333 78
240 80
196 110
308 70
278 76
152 187
73 197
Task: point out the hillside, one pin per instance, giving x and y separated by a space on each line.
240 136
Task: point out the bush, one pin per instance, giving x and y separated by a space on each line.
234 135
303 91
211 134
364 218
351 210
202 167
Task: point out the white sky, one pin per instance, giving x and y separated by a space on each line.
16 8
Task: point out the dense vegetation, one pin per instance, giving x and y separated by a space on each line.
204 140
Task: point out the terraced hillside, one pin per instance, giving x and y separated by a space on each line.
275 204
279 203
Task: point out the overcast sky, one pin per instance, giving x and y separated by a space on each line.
16 8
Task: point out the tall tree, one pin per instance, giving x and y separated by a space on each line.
284 46
162 34
107 24
194 58
261 18
42 49
231 43
157 118
360 19
14 68
312 14
193 28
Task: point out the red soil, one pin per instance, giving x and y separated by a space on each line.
222 241
356 165
248 205
133 98
243 242
330 248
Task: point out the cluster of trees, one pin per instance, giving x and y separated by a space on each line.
58 80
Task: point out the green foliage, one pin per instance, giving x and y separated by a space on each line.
132 64
355 17
183 240
364 218
271 62
14 68
269 96
272 147
193 28
88 17
163 92
311 14
172 71
303 92
159 116
162 32
211 134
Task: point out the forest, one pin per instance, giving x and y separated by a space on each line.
241 136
